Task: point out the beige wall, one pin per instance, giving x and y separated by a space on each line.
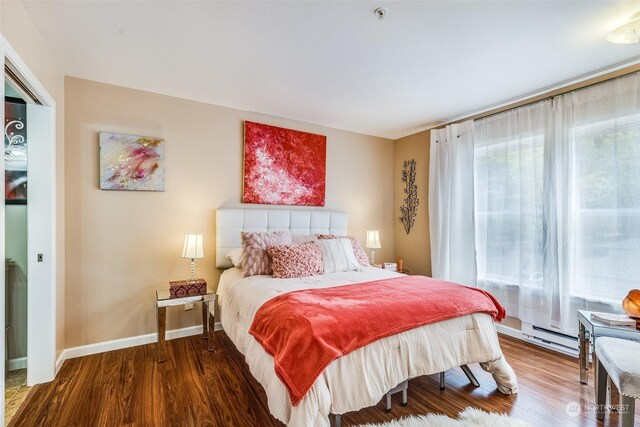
414 247
16 26
121 245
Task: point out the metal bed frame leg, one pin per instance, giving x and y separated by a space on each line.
338 420
472 378
402 387
441 380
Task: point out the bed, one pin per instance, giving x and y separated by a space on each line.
362 377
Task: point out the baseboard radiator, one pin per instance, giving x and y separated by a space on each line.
550 339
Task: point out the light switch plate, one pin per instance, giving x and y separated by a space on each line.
188 306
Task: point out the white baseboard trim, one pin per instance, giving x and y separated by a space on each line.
17 363
101 347
509 331
59 362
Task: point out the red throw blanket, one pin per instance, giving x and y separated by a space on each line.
306 330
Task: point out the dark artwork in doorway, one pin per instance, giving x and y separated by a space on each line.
15 151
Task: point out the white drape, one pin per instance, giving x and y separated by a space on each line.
557 211
451 204
509 172
597 191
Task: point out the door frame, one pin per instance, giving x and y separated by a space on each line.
41 224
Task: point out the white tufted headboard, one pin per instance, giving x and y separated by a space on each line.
231 222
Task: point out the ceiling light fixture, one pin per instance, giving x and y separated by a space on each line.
628 32
381 12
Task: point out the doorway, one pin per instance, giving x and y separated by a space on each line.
41 223
16 268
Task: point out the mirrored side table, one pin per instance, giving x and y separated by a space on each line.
164 300
589 330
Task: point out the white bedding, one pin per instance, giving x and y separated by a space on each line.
358 379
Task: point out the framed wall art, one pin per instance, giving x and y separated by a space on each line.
131 162
283 166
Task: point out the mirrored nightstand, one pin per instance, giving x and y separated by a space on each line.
164 300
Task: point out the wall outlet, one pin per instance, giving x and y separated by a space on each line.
188 306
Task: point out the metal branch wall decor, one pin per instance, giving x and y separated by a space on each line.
410 208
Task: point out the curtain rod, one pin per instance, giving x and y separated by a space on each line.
10 74
535 96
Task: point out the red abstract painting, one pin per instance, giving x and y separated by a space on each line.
283 166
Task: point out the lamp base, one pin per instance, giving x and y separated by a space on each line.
373 257
193 271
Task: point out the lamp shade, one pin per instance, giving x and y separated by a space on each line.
192 246
373 239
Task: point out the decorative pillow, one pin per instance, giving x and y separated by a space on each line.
235 256
360 254
300 238
254 250
337 255
296 260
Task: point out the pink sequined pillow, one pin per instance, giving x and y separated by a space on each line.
254 249
296 260
361 256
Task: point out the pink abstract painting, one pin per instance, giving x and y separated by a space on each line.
283 166
131 162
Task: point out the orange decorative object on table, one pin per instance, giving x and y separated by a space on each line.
631 303
187 288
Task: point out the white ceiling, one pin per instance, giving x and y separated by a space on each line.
334 63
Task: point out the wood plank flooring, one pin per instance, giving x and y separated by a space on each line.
197 388
16 391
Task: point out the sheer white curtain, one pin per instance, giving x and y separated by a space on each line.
557 203
597 191
451 204
509 220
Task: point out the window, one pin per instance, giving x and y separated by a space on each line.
606 243
508 172
557 203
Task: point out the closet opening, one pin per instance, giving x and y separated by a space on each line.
16 140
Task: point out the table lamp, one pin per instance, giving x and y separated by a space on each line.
193 250
373 242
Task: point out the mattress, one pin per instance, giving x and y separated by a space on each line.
362 377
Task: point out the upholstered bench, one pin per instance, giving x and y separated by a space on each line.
619 360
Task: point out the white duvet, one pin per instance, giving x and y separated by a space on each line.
361 378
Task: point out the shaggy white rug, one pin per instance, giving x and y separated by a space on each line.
470 417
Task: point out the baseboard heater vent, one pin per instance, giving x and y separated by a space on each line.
550 339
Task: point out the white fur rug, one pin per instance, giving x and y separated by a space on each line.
470 417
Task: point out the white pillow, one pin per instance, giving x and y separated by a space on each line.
236 257
337 255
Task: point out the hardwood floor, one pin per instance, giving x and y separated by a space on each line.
15 392
197 388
